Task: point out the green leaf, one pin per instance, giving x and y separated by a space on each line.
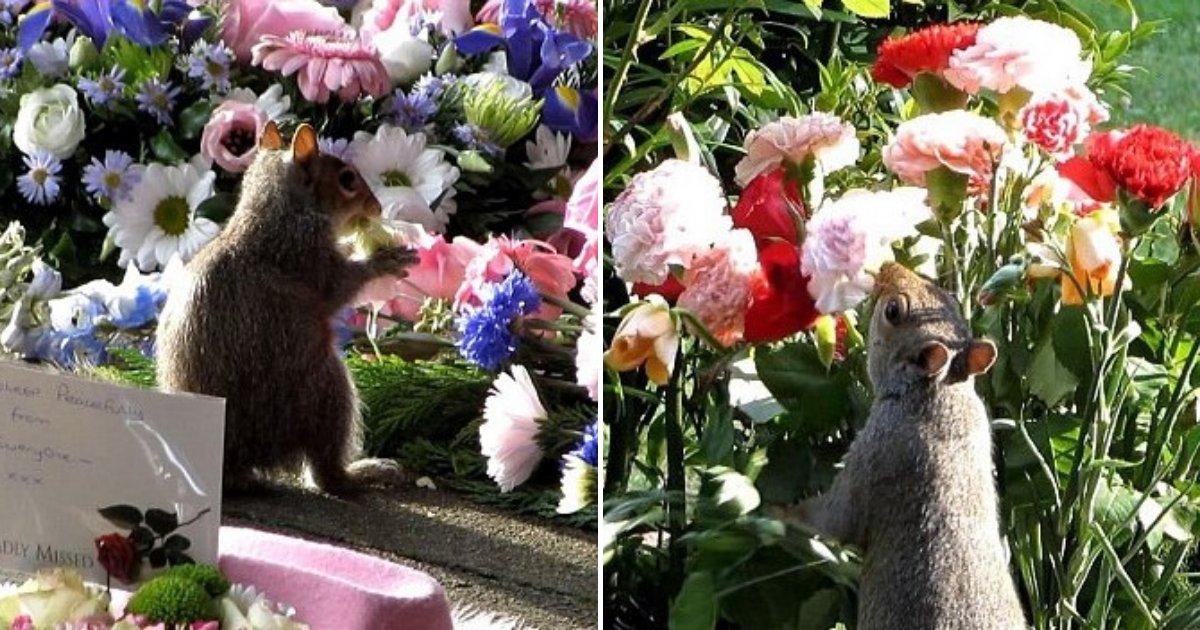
193 119
123 516
166 149
820 399
1071 344
162 522
695 607
1049 380
869 8
218 207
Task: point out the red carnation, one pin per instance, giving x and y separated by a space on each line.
116 554
780 304
1148 162
1091 179
769 207
901 59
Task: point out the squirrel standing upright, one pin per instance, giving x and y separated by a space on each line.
917 493
250 321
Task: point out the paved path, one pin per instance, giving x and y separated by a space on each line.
543 574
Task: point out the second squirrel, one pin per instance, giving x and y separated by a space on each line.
250 320
917 493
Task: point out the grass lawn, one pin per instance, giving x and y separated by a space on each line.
1164 92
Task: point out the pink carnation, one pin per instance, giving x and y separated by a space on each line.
508 435
231 135
719 284
247 21
1058 121
1019 52
829 139
962 141
455 15
549 271
663 218
849 239
439 275
324 64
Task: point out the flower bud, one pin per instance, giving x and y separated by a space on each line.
83 54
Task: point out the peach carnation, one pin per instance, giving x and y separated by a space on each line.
849 239
1019 52
962 141
829 139
718 286
666 216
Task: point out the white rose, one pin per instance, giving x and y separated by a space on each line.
50 120
406 57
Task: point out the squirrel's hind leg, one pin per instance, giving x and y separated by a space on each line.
334 452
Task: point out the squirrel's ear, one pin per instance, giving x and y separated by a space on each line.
304 144
981 354
933 359
270 138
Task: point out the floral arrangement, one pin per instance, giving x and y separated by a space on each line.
126 126
976 153
197 597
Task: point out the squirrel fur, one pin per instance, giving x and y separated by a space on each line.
250 321
917 493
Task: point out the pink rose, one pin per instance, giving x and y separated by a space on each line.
384 14
962 141
438 275
246 21
231 136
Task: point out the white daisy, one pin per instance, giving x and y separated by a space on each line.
159 218
547 150
413 182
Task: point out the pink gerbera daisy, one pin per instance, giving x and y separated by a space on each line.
325 63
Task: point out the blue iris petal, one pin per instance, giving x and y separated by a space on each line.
34 24
570 111
91 17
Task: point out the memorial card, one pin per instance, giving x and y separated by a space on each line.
92 471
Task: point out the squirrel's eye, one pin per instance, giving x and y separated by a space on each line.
894 309
347 179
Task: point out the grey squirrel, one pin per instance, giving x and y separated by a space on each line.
250 320
917 493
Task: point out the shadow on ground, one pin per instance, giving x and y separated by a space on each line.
541 573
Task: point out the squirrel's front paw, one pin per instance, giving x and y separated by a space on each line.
394 260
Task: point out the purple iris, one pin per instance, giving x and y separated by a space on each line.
535 51
97 19
571 111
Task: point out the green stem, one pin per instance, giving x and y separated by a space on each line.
566 305
676 485
631 43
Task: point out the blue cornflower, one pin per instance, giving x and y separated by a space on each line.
209 64
104 88
40 184
474 138
157 98
486 336
10 62
588 446
112 180
412 111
